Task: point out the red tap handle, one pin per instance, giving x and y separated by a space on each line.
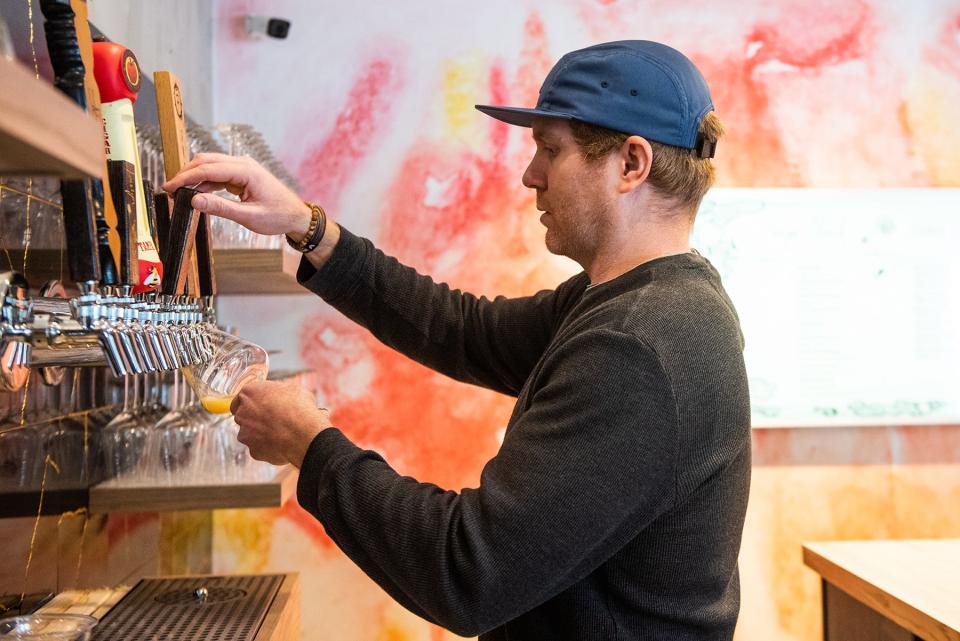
116 70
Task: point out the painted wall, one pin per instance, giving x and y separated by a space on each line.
372 110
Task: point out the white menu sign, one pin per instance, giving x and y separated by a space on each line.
849 300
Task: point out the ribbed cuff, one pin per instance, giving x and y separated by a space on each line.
340 273
326 447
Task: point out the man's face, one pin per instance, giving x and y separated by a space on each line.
575 196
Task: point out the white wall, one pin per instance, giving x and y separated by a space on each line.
175 35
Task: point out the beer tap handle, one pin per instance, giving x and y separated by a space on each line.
183 229
118 77
86 213
205 266
63 46
176 149
79 229
123 180
151 208
79 223
161 205
108 266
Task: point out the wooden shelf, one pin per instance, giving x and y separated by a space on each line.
55 502
257 271
42 132
111 496
239 271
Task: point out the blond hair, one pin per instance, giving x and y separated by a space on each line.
676 173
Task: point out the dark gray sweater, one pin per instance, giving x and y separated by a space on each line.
615 505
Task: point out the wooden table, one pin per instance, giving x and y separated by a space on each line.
888 590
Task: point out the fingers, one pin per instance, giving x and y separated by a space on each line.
235 172
235 404
259 450
219 206
227 173
206 157
209 188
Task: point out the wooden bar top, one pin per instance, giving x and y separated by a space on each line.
916 584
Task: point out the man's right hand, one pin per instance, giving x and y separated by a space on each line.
266 205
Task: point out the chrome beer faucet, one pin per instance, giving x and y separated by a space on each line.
130 334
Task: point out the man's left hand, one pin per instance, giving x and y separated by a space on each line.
278 421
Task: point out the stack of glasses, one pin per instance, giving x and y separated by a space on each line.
166 432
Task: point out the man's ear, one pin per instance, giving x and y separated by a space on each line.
636 156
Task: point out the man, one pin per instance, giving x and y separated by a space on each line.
615 506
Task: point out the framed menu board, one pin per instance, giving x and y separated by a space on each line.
849 301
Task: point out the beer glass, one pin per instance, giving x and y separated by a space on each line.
234 363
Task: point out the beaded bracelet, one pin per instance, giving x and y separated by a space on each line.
318 225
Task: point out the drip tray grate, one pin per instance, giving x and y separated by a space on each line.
202 608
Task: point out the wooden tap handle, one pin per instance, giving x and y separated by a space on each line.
180 244
79 211
123 180
161 205
173 136
205 267
151 206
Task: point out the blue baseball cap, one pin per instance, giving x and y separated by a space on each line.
632 86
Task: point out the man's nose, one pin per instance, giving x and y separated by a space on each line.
533 178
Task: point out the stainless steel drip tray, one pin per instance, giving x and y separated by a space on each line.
202 608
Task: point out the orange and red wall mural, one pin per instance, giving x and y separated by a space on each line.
371 107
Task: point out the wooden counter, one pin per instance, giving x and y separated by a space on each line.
896 590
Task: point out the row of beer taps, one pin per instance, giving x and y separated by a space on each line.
109 324
131 311
106 322
131 333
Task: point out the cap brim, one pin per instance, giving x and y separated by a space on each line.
518 115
